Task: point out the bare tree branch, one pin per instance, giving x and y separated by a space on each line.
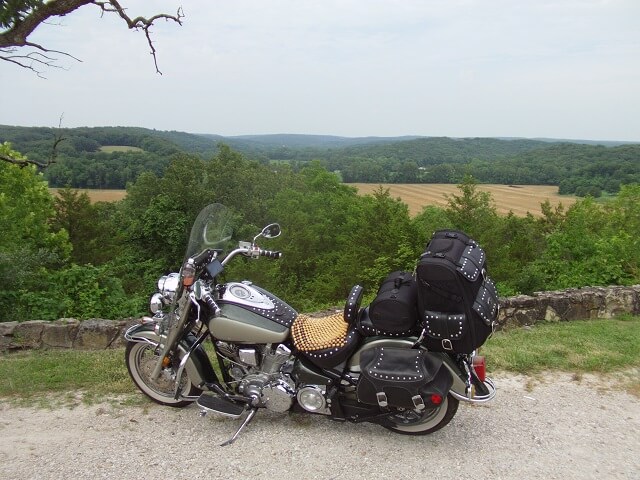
16 32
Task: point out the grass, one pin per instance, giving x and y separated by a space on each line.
119 148
590 346
54 377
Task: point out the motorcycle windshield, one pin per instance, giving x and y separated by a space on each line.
212 228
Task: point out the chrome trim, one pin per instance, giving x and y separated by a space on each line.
130 337
243 294
156 303
478 399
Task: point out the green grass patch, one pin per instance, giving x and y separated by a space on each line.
590 346
52 377
119 148
45 375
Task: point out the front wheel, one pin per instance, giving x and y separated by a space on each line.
141 358
412 422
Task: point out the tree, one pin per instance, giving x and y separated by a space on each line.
473 211
28 244
19 19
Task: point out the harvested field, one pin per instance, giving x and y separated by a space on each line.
517 198
98 195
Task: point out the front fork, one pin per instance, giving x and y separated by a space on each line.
176 326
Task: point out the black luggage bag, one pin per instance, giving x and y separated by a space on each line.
394 308
457 302
402 378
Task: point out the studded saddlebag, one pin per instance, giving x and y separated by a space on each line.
394 308
402 377
457 302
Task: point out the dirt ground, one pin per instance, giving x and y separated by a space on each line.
550 427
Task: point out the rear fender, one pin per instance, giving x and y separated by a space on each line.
198 366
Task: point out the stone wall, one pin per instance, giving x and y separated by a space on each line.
521 310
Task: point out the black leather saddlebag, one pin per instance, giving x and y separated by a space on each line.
402 377
394 308
457 302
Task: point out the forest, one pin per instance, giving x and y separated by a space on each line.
63 256
85 158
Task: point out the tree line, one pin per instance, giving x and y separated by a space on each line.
580 169
66 257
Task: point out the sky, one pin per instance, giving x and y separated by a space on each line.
459 68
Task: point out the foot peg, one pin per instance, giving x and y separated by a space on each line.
214 403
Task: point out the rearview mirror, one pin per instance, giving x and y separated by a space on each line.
271 231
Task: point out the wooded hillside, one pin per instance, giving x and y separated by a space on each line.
583 169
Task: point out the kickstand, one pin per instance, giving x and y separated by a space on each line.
244 424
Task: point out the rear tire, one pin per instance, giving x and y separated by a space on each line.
141 358
411 422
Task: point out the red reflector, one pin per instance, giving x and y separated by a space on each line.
480 366
436 399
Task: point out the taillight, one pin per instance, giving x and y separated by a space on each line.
436 399
480 367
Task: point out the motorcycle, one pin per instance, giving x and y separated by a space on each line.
264 354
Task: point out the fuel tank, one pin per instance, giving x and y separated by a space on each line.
250 314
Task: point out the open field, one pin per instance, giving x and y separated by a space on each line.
119 148
517 198
98 195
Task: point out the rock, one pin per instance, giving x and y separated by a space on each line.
27 334
60 334
96 334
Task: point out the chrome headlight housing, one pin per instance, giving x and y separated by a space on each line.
156 303
167 286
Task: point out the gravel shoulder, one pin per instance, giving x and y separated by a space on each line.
550 427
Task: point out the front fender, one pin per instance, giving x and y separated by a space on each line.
198 366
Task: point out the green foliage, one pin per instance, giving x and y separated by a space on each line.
29 246
593 245
77 292
14 11
68 257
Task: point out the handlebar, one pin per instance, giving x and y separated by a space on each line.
253 251
215 309
270 254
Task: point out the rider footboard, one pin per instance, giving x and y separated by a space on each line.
402 378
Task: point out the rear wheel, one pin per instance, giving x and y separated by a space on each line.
141 359
413 422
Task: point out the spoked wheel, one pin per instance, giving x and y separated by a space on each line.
412 422
141 359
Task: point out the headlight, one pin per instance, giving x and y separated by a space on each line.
168 284
156 303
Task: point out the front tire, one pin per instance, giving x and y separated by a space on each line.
411 422
141 358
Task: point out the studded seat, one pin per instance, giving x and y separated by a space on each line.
328 341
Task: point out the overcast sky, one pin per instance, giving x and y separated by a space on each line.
459 68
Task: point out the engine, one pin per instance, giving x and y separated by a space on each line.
261 374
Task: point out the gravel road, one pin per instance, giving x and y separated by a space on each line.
549 428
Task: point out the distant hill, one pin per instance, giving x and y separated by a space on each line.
109 157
